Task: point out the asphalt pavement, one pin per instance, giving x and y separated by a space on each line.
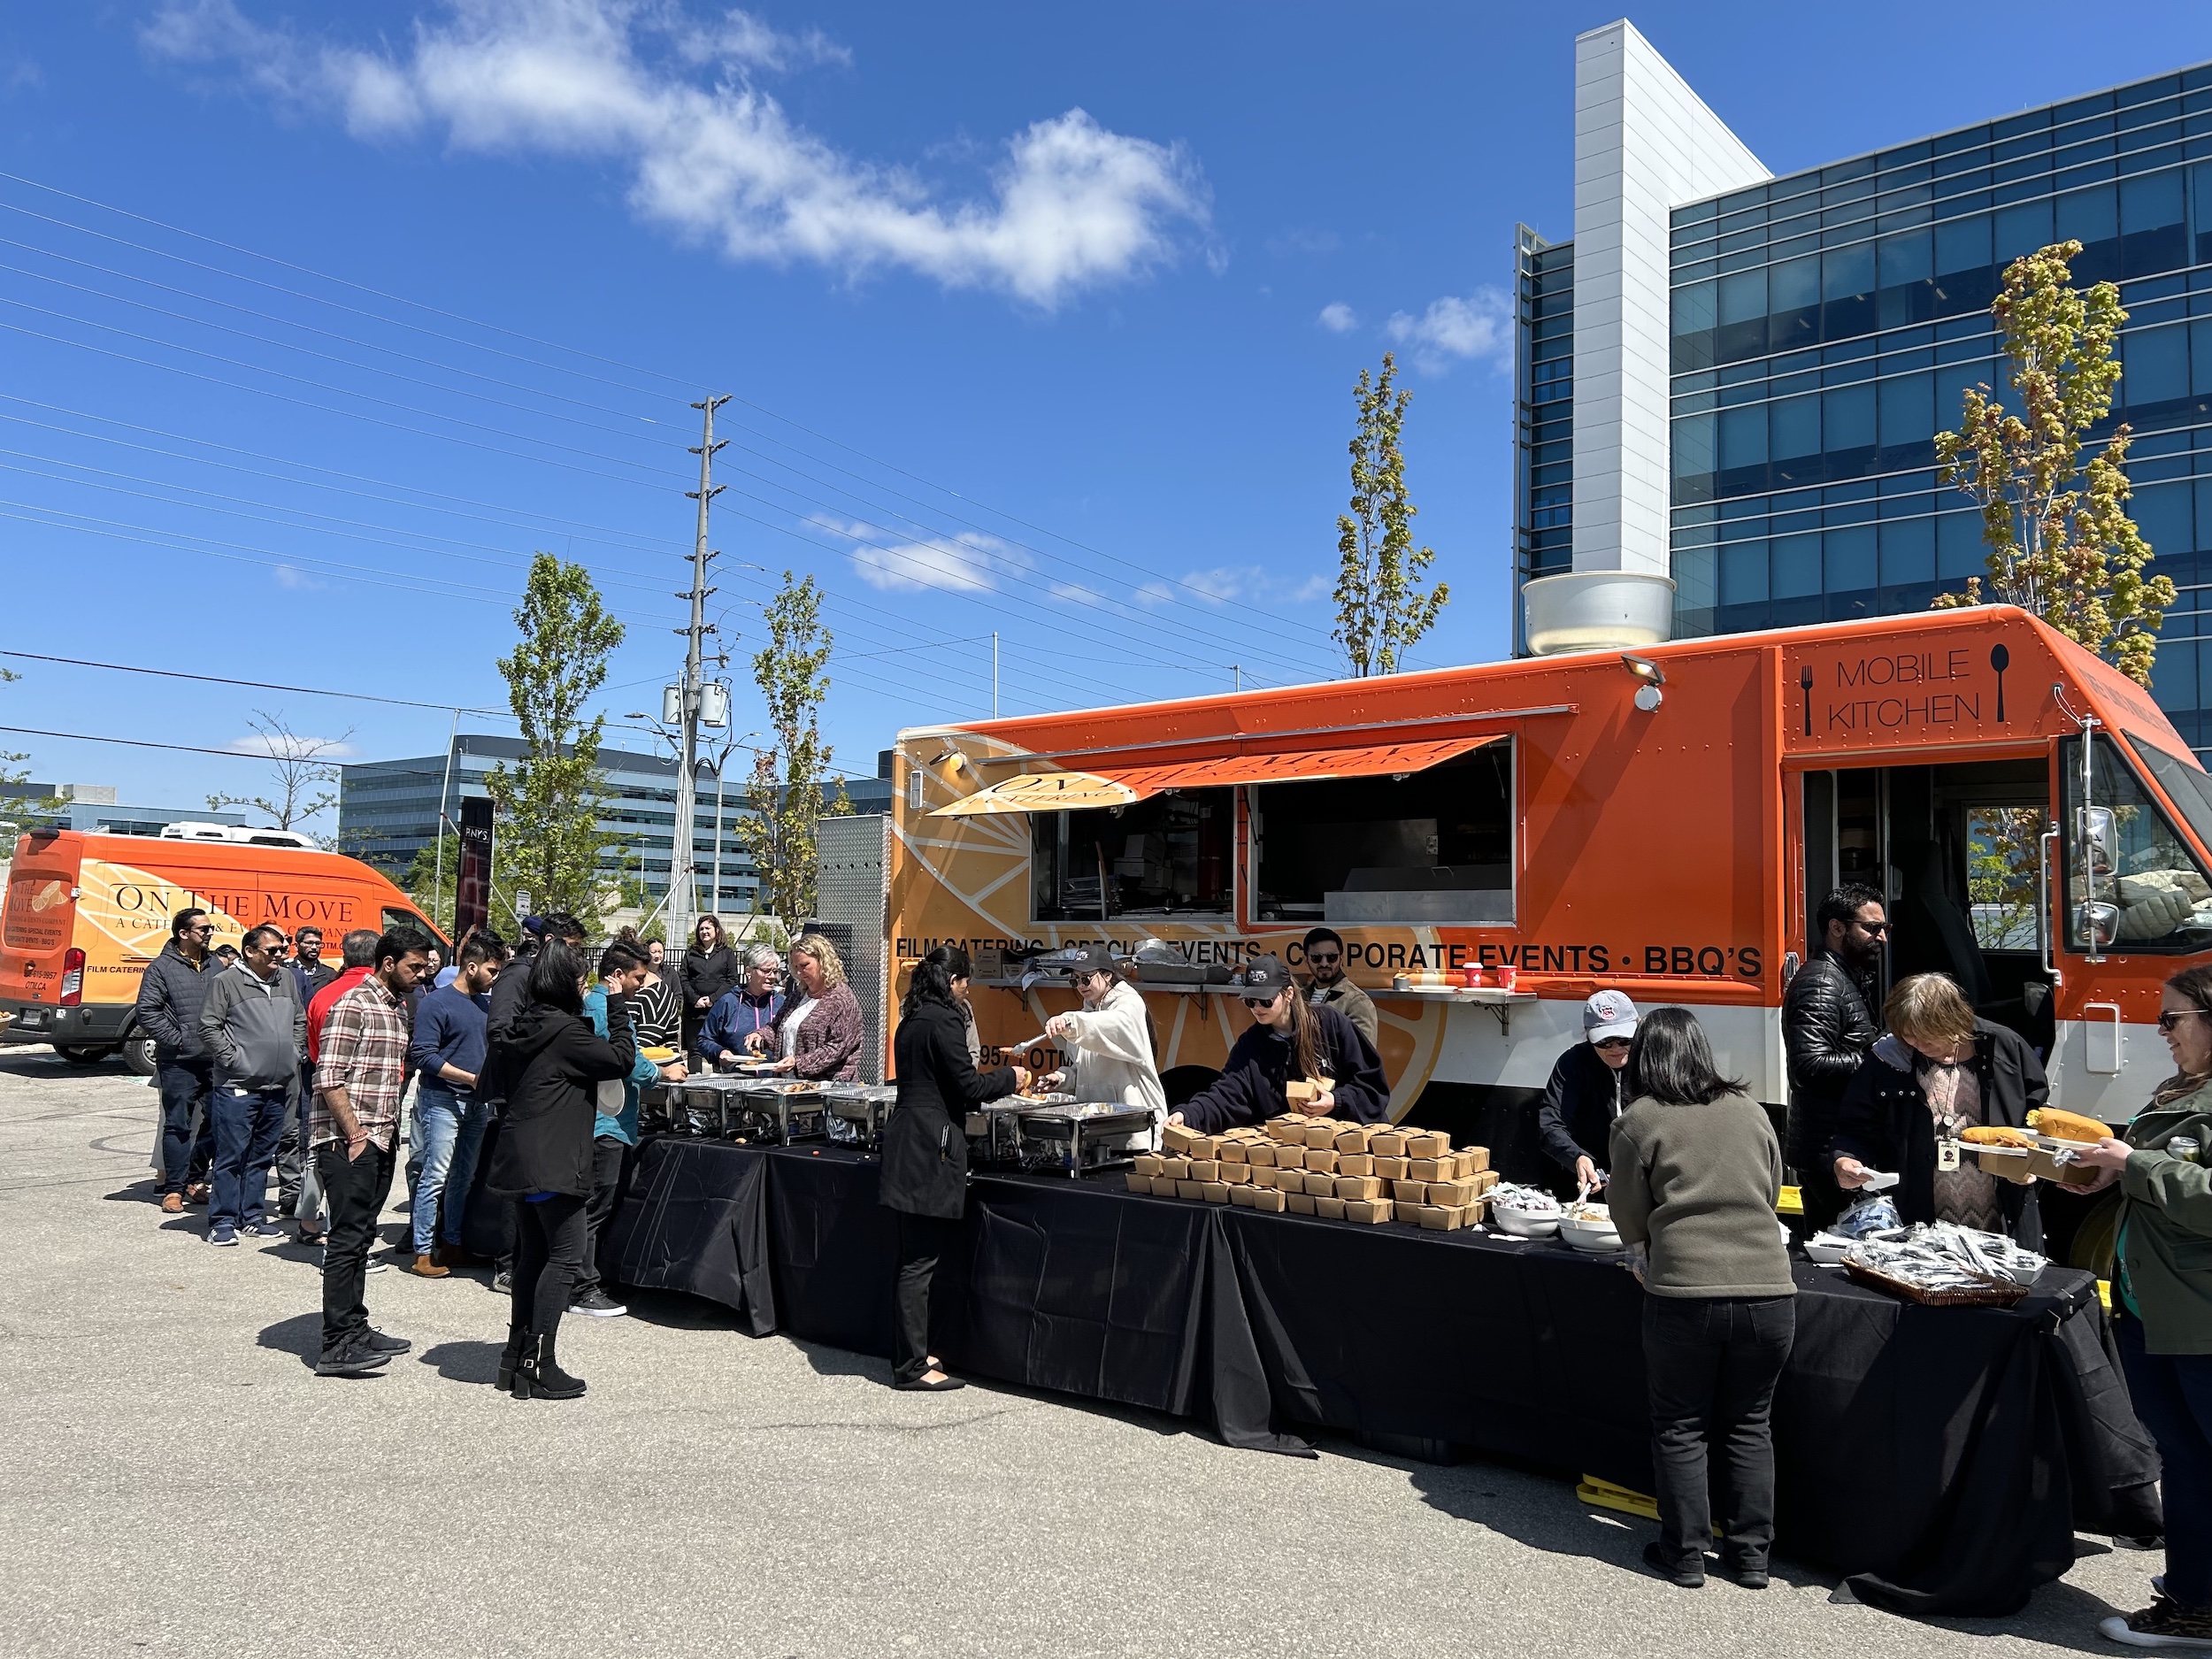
175 1480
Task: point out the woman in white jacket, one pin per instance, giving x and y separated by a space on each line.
1109 1040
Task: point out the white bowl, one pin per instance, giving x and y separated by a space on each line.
1826 1252
1597 1237
1525 1224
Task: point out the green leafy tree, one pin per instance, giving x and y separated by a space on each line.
1381 608
2060 543
305 784
785 792
550 843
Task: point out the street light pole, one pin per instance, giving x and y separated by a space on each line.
682 889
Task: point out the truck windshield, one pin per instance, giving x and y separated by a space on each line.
2186 786
2155 878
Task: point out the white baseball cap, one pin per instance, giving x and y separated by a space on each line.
1608 1014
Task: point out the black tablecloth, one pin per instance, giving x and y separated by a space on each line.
1943 1457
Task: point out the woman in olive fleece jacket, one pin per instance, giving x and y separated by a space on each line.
1696 1172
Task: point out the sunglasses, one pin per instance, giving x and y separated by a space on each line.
2168 1022
1321 961
1263 1002
1611 1043
1876 928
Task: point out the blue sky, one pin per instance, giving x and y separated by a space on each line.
315 322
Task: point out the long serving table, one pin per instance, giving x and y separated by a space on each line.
1943 1458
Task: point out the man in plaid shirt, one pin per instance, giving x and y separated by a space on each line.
360 1071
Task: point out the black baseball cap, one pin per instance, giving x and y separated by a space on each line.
1093 959
1265 977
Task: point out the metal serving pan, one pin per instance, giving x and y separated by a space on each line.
1076 1140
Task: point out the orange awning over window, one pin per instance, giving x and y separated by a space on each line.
1119 786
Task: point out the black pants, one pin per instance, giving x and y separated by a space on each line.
354 1191
1711 1364
187 1128
548 1249
291 1151
922 1240
610 1162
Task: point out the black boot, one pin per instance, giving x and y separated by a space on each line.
511 1356
539 1373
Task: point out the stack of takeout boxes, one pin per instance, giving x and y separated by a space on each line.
1317 1166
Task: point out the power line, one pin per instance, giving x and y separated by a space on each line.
140 742
257 685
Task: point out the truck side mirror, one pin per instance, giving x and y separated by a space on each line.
2095 827
2098 922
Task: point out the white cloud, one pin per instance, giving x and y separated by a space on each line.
964 564
1338 318
710 156
277 748
292 576
1454 329
1230 584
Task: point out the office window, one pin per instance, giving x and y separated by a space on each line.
1793 303
2200 193
2020 229
1906 266
2153 236
1907 552
1907 413
2155 380
1695 317
1847 284
1743 572
1743 451
2161 512
1847 425
1964 281
1850 556
1794 439
2091 217
1796 563
1742 308
1693 440
1959 550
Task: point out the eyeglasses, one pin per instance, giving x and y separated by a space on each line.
1611 1043
1876 928
1320 961
2168 1022
201 931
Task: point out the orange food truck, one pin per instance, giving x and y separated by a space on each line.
85 913
1665 821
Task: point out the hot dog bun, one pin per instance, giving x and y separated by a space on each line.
2067 1126
1996 1135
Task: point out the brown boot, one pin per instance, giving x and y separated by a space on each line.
426 1267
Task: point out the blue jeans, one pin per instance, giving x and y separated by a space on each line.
248 1122
449 1128
2173 1399
184 1154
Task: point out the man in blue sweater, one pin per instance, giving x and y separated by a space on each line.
447 1051
622 971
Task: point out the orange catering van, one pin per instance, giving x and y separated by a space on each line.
1665 821
84 914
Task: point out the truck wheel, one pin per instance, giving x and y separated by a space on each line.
138 1055
91 1055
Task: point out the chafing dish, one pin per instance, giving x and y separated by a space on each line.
995 1134
1075 1139
701 1105
853 1114
776 1114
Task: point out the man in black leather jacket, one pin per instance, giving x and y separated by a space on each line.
1826 1031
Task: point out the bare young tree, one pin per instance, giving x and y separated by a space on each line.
305 782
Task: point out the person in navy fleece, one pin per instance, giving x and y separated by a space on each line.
1290 1040
446 1051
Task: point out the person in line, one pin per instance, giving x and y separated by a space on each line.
255 1027
1939 1071
2162 1308
1588 1090
818 1030
748 1009
1696 1175
653 1005
925 1176
1289 1040
709 969
447 1052
357 958
1327 987
622 972
171 993
355 1139
1826 1031
509 999
542 1164
310 972
1109 1040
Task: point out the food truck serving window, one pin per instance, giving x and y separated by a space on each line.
1427 848
1168 855
2153 875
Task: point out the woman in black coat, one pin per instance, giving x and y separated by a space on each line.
1939 1072
924 1174
554 1061
710 968
1289 1040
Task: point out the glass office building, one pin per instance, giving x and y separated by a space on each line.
1820 328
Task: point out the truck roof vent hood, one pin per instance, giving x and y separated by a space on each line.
1598 611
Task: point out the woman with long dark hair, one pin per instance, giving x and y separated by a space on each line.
1696 1174
925 1176
555 1063
710 968
1291 1040
2162 1307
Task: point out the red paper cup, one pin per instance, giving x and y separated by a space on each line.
1470 976
1508 978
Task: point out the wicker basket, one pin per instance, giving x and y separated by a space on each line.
1996 1294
